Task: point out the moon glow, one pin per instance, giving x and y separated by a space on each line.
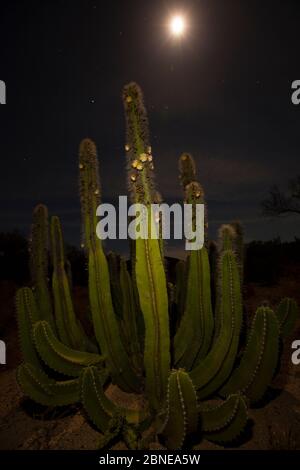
177 25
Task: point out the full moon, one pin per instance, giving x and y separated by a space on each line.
177 25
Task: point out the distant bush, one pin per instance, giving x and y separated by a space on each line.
266 261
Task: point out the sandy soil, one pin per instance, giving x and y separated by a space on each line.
23 425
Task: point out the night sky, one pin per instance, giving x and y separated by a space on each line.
222 93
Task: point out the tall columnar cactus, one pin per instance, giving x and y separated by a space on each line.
211 373
227 236
197 321
39 260
69 329
239 246
104 318
149 268
187 170
178 374
226 241
138 150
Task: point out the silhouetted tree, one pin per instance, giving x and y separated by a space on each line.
279 203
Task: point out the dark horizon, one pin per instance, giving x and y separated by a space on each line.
223 94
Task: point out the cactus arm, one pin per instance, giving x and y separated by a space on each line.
149 270
96 404
181 414
139 315
27 315
211 373
59 356
40 388
140 164
89 186
287 313
105 323
104 319
152 289
63 308
114 269
181 287
187 169
259 360
60 306
39 261
69 273
227 238
197 321
224 422
100 408
226 241
69 328
129 320
239 247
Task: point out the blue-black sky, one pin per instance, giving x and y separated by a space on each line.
223 94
